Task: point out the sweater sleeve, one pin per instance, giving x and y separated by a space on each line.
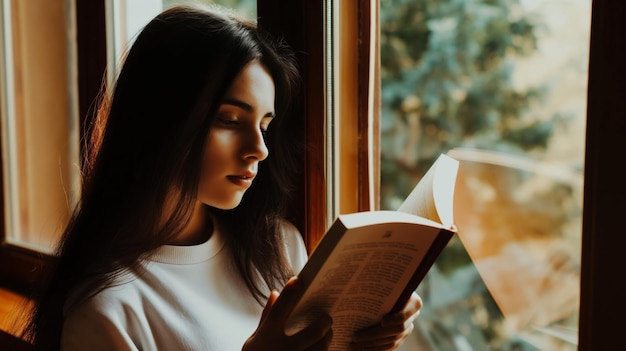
89 328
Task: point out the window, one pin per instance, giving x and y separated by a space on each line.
39 121
604 72
126 18
502 86
39 134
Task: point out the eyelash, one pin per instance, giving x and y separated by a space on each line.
227 121
233 123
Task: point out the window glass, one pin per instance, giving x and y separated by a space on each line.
126 18
501 86
39 120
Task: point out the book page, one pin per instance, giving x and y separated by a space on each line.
433 195
363 278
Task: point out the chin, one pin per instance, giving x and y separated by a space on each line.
227 205
226 208
222 201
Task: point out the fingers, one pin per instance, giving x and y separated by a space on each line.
268 306
378 332
381 341
324 343
315 333
409 312
393 329
271 330
284 303
314 337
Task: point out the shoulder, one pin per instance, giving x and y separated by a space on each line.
293 244
289 230
113 303
102 320
121 291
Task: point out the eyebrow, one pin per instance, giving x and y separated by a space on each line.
244 106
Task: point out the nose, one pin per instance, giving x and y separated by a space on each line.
256 148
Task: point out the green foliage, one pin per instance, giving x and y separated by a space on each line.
447 70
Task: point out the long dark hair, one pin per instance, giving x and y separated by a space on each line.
148 139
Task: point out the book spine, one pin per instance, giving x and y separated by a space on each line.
436 248
326 246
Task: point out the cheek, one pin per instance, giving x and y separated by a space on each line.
219 154
211 160
220 147
219 161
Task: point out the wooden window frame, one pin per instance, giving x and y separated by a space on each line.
21 269
603 242
301 24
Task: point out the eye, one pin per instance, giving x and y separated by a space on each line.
265 124
227 121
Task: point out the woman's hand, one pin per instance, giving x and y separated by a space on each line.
392 331
270 334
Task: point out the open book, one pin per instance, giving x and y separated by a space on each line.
368 263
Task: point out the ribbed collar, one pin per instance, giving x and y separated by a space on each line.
192 254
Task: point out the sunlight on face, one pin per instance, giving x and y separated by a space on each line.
235 144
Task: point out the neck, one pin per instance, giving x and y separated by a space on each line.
198 230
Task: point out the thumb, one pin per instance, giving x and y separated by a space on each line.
270 302
286 301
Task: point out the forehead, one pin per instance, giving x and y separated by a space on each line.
255 82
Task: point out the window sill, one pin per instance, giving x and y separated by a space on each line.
11 320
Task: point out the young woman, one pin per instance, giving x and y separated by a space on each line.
179 240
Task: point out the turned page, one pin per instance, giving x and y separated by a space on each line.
433 196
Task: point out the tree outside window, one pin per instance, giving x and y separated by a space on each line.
501 86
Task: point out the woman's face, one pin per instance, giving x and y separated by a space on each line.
235 144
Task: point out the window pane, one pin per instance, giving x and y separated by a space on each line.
127 18
39 120
501 84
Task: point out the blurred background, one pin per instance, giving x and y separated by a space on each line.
501 86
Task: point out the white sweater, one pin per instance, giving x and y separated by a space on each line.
189 298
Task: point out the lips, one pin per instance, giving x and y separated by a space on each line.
243 180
